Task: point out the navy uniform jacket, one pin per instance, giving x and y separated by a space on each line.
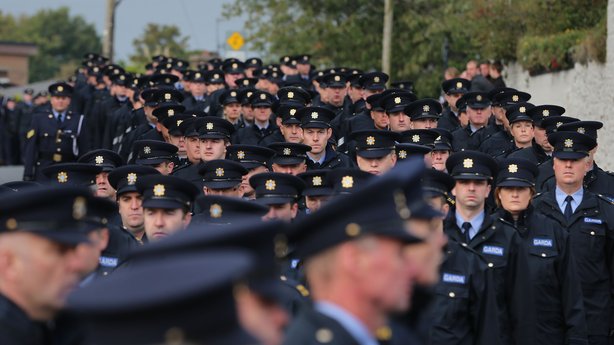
16 328
505 257
254 136
535 154
189 172
497 144
557 306
448 120
121 243
591 232
50 142
464 139
332 160
464 308
596 180
311 327
191 104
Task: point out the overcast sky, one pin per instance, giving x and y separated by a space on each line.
197 19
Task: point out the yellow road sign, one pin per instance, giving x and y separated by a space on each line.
235 41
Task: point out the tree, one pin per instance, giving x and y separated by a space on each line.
159 39
61 39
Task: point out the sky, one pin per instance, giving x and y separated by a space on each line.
201 20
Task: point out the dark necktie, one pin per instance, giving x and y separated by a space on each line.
60 118
466 226
568 211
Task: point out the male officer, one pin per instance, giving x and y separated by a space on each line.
214 135
424 113
478 111
42 231
167 201
317 131
264 130
108 160
157 154
255 159
501 248
288 122
395 104
280 192
318 189
55 135
289 158
129 201
222 177
375 150
588 218
453 90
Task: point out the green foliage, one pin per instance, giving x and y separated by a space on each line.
349 33
159 39
62 39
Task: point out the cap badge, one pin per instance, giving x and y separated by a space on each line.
370 140
209 126
568 143
314 115
262 96
347 182
122 77
513 168
415 138
522 110
167 96
241 154
197 75
233 94
159 190
287 151
167 80
478 98
337 78
179 122
131 178
438 138
546 112
292 112
426 109
171 112
376 79
402 154
62 177
515 98
352 229
79 208
290 94
558 124
215 211
245 82
219 172
317 180
216 76
60 88
468 163
99 159
459 85
270 185
147 150
581 130
397 100
234 65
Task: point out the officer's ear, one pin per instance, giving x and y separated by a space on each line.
278 121
294 209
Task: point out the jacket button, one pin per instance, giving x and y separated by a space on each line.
543 255
490 264
452 294
592 233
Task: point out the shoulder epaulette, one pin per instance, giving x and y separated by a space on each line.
606 198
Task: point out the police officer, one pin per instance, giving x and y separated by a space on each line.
55 135
222 177
557 308
453 89
500 247
588 219
280 192
375 151
288 122
264 130
157 154
521 130
255 159
108 160
289 158
478 112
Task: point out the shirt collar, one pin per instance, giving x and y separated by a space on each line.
560 198
319 161
476 222
350 323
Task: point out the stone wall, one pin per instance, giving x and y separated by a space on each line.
586 92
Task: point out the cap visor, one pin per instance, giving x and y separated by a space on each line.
515 183
154 161
212 136
287 160
318 192
471 177
374 153
274 200
162 203
65 237
221 184
316 125
478 105
569 155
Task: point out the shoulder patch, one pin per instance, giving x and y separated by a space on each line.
606 198
30 134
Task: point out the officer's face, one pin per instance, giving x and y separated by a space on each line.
291 169
317 138
192 149
232 111
89 253
424 123
399 122
40 272
248 191
380 119
165 168
262 318
478 117
60 103
570 172
130 206
248 113
514 199
231 79
103 188
355 93
262 113
438 159
293 133
233 192
179 142
314 203
542 139
211 149
198 89
523 133
285 212
160 222
214 87
471 194
427 256
377 166
451 99
336 95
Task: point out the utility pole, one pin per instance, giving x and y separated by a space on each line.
109 30
387 36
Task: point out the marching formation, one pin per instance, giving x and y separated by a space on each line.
235 202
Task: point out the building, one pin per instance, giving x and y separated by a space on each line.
14 62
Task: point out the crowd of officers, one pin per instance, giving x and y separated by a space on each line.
239 203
